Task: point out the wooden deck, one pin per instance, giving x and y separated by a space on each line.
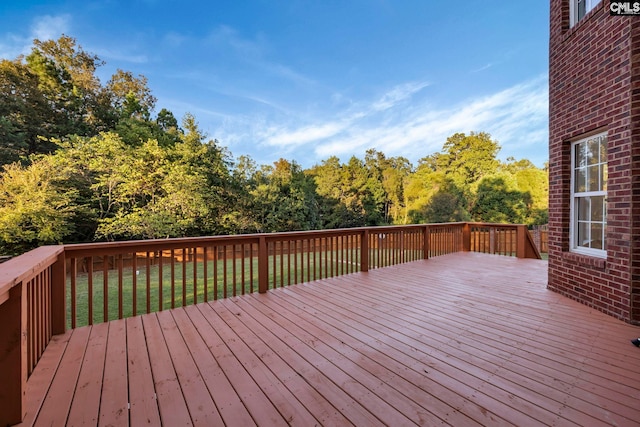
464 339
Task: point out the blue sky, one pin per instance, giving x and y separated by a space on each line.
307 79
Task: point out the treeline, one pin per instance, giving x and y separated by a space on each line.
84 161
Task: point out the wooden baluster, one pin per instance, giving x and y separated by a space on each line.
263 265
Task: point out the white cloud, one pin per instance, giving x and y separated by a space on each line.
44 27
305 135
400 123
397 95
484 67
49 27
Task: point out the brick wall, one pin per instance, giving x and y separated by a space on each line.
593 69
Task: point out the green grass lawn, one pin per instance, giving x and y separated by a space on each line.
155 283
189 285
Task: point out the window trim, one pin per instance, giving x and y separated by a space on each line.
573 224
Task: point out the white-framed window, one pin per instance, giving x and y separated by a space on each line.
579 8
589 195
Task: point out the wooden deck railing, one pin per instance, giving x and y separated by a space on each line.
31 311
52 288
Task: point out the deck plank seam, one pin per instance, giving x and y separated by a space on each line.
376 336
310 367
337 333
382 326
335 359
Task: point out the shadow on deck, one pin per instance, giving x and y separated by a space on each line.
463 339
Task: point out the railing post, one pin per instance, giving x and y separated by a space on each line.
13 356
426 242
58 298
466 237
263 265
521 238
364 251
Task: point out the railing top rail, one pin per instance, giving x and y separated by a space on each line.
339 231
447 224
495 225
156 244
26 266
185 242
99 248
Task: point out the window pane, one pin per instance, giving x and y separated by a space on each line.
597 208
581 9
590 174
596 236
583 234
584 209
603 149
591 4
581 180
593 178
580 157
593 151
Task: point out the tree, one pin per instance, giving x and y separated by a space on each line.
533 181
284 198
420 188
66 78
130 95
445 206
145 191
338 208
33 210
25 115
395 174
328 178
204 157
243 182
466 159
499 201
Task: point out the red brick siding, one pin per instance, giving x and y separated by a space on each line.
594 78
635 174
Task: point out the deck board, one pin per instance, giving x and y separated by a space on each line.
142 394
383 366
289 388
56 405
412 340
230 406
320 359
114 401
487 360
171 403
85 407
221 341
460 340
41 378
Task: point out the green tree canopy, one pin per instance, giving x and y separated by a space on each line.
465 159
499 201
84 161
33 209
